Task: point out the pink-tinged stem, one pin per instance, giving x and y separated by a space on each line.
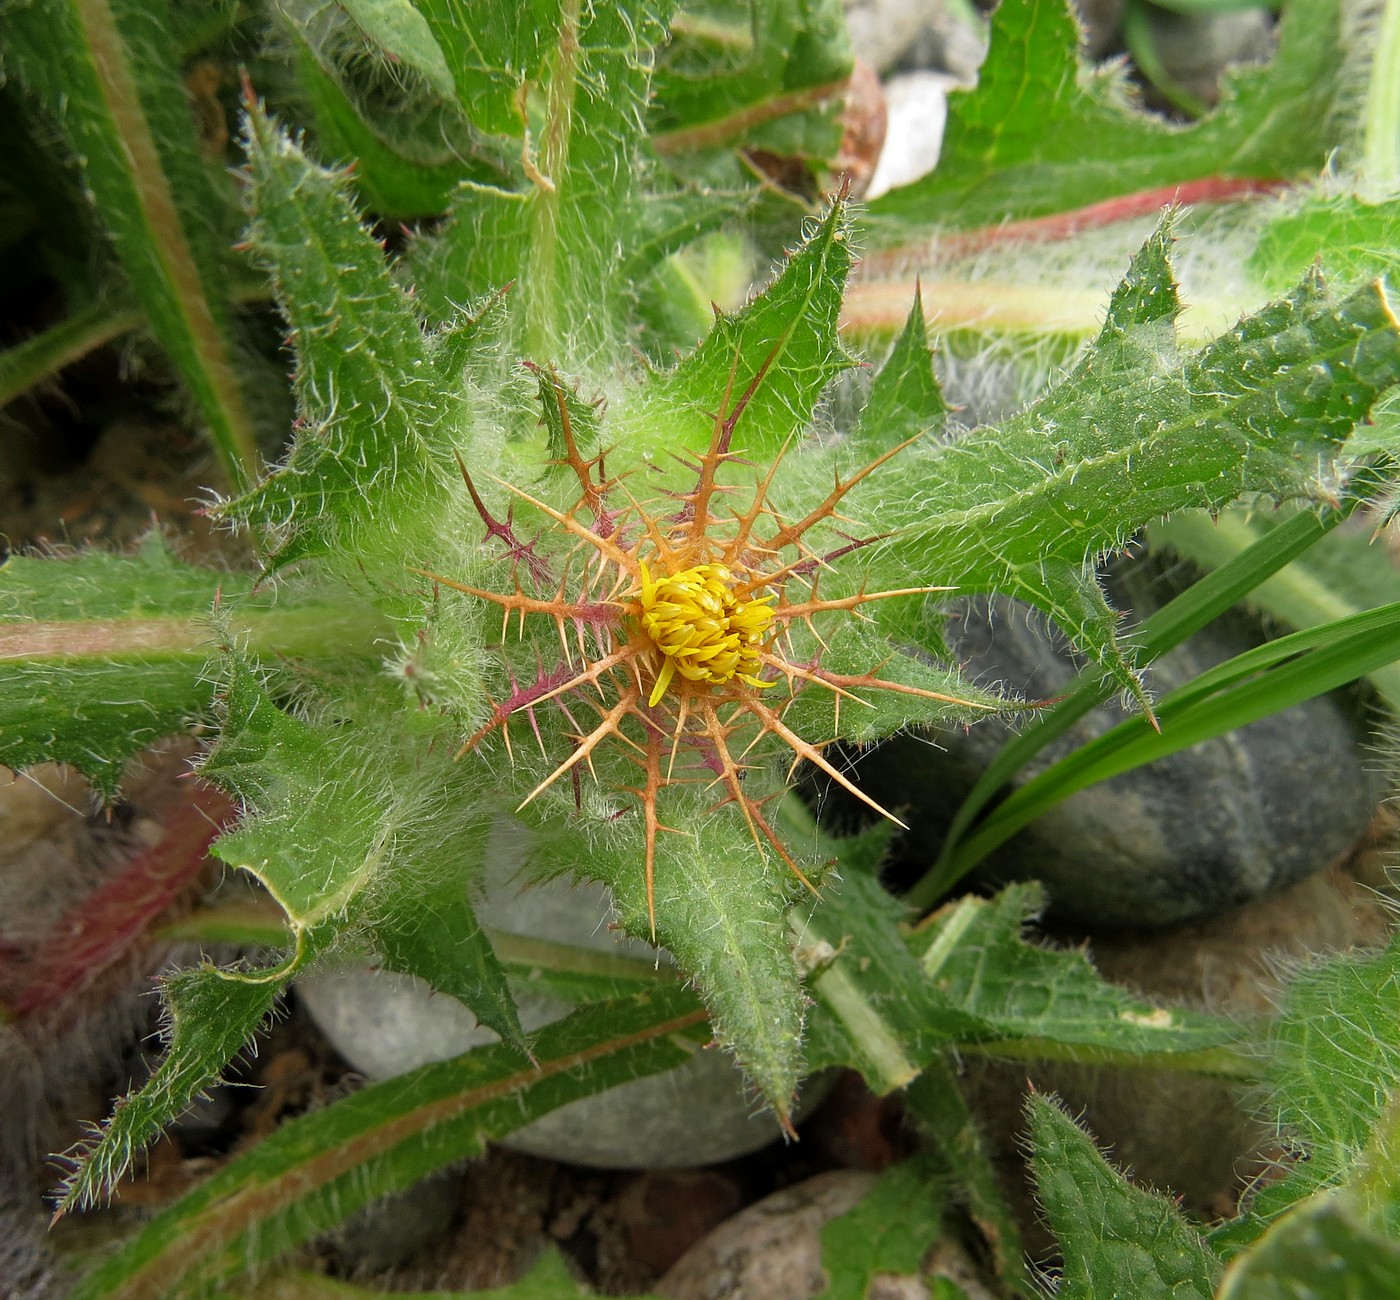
1061 225
115 918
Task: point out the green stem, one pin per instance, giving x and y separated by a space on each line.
1215 1062
37 359
311 630
1380 161
542 328
232 429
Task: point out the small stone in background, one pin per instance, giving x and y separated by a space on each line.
666 1212
772 1250
916 109
863 123
907 34
1102 22
394 1229
1195 48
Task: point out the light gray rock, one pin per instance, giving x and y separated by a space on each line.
917 34
1190 835
916 111
773 1251
386 1024
1196 48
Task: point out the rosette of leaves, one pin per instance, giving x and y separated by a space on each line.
513 456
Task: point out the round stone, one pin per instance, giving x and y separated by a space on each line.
385 1024
1189 835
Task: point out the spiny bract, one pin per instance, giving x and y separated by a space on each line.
675 624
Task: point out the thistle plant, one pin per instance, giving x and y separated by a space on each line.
558 557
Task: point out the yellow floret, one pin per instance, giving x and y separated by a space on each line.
704 632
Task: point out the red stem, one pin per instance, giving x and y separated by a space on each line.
113 920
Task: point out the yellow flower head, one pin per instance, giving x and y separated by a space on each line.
704 631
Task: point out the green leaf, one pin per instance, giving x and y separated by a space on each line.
1130 434
721 910
876 1011
210 1016
1321 1251
905 400
494 50
319 1168
104 70
548 1279
578 197
377 432
936 1102
769 362
1118 1240
1341 575
1043 134
100 655
403 34
1251 686
433 933
1334 1061
888 1231
350 820
1354 240
398 173
1052 1004
761 75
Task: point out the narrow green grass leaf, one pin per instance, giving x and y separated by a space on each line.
1343 574
1250 686
318 1169
1118 1240
1041 133
1228 584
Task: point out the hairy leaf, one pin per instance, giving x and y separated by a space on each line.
377 430
770 361
1043 134
1133 432
578 198
973 951
887 1232
103 69
757 76
1117 1239
1334 1062
1322 1250
211 1014
1341 575
102 654
318 1169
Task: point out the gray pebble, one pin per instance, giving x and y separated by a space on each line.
1190 835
